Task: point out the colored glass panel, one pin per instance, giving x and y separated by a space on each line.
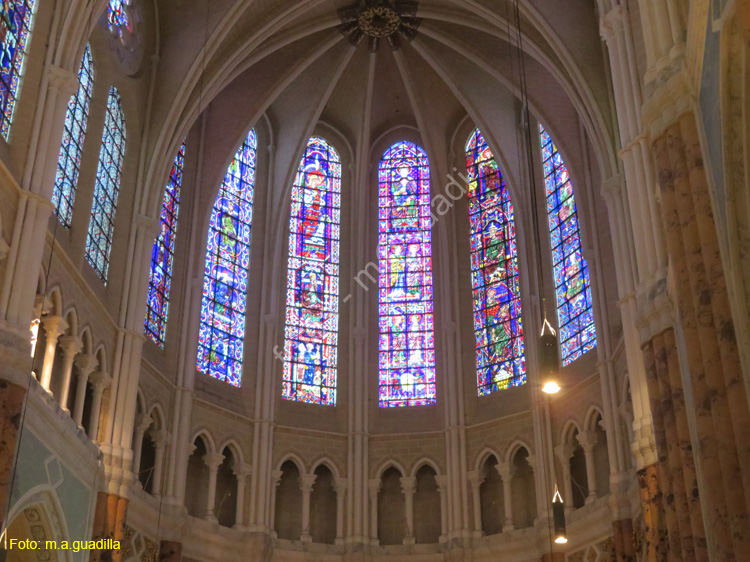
106 187
162 256
494 273
15 28
119 18
74 132
312 300
407 339
575 314
223 307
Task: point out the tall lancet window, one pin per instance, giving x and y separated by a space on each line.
69 161
222 328
162 256
407 339
575 314
494 273
312 299
107 187
15 28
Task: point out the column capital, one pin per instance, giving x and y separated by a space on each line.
587 440
142 422
373 485
564 452
276 477
63 80
475 478
160 437
504 469
408 484
54 326
213 460
531 459
306 482
86 364
71 345
611 22
340 485
242 471
100 380
442 482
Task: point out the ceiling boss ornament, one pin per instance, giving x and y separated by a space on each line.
391 20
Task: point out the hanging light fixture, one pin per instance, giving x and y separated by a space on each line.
558 516
548 356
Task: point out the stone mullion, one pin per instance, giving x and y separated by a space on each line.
656 481
723 323
675 480
701 296
686 460
705 415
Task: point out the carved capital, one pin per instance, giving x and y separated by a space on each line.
564 452
340 486
612 23
306 482
276 477
504 468
475 478
63 80
442 481
213 460
408 484
100 380
142 423
71 345
159 437
86 364
587 440
242 470
54 326
373 485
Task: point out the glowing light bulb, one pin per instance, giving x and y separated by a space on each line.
551 387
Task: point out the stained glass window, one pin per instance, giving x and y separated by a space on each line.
222 328
107 187
312 300
575 314
162 256
69 161
407 339
119 17
15 27
494 273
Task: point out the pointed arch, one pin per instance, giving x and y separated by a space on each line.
575 314
107 187
74 133
312 313
498 325
407 338
223 307
162 256
15 29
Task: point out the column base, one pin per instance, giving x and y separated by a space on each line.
508 528
306 538
410 540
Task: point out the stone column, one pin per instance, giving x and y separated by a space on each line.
100 380
306 482
241 472
373 485
71 346
587 440
213 460
340 487
54 327
504 469
160 439
275 481
142 423
442 482
86 365
475 481
408 487
564 453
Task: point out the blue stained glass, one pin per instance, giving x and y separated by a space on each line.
119 20
74 132
312 294
223 307
107 187
498 326
407 342
572 283
162 256
15 28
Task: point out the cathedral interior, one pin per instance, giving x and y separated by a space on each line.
375 280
